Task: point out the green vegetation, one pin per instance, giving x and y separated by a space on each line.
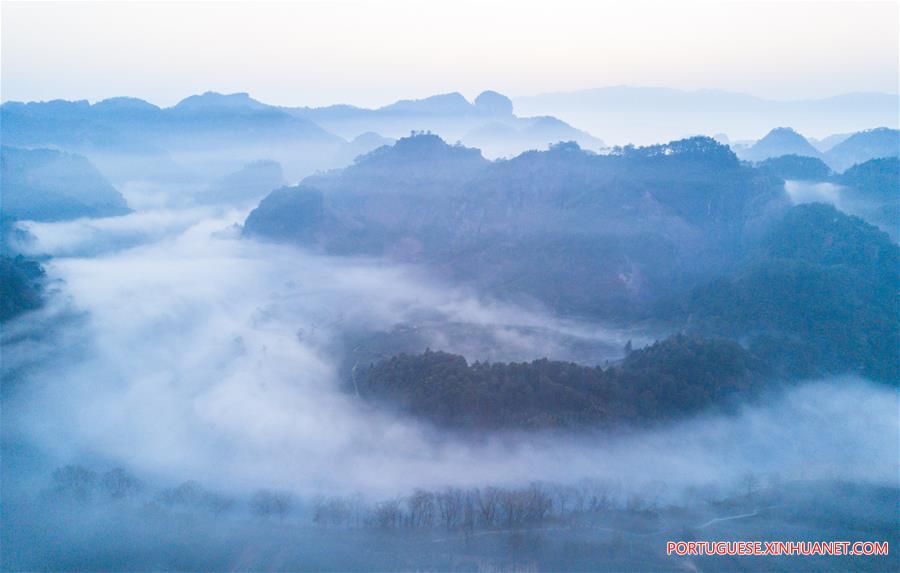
877 179
796 167
613 234
820 296
20 286
677 377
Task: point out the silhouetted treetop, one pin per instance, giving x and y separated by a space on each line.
676 377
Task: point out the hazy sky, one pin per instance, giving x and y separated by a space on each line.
371 52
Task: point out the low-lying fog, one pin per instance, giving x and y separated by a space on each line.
882 215
180 351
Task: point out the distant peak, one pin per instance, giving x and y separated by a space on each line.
212 99
420 146
441 104
421 140
784 135
124 103
783 131
494 103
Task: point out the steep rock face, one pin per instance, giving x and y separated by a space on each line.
583 233
493 103
48 185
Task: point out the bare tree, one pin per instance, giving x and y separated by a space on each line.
334 511
388 514
470 511
749 483
538 503
271 503
450 504
421 508
488 501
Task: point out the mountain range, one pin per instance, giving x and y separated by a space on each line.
849 150
683 233
641 115
206 136
613 233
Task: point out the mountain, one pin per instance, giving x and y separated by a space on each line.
871 190
862 146
364 143
818 295
780 141
204 137
372 203
612 232
226 103
874 179
651 114
796 168
420 164
49 185
247 185
487 123
450 104
494 104
499 139
847 151
829 141
207 135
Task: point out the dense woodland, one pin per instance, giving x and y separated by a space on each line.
796 167
613 233
818 296
808 290
21 286
684 233
677 377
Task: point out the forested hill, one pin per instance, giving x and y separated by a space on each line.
613 233
818 296
876 179
675 378
49 185
796 167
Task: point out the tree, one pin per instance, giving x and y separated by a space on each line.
267 503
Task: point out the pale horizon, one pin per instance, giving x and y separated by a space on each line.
373 52
470 96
